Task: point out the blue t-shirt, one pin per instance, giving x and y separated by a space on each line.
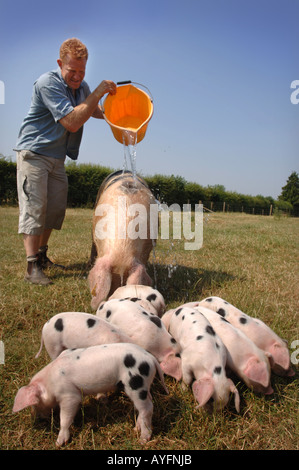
51 100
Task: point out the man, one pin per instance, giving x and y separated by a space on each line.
61 103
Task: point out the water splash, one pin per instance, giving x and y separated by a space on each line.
130 151
154 264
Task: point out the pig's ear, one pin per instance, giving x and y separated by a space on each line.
280 355
234 390
203 390
172 365
27 396
99 279
257 372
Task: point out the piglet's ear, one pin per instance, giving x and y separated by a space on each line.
172 365
257 372
203 390
280 355
26 396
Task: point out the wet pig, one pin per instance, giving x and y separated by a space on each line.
122 235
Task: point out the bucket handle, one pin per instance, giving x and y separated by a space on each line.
127 82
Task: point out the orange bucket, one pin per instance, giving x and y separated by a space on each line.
128 113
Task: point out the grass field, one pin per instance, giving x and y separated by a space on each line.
251 261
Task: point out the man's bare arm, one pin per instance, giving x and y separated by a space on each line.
98 113
81 113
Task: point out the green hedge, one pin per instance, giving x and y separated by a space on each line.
85 180
8 186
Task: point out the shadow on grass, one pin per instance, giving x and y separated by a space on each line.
80 270
177 283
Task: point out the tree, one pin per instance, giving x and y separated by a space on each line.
290 192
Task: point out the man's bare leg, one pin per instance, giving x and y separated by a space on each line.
32 243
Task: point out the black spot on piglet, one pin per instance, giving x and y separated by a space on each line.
136 382
143 394
129 360
108 313
156 320
218 370
59 324
221 312
120 386
151 297
178 311
90 322
243 320
144 368
210 330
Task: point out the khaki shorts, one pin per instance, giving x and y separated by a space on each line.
42 192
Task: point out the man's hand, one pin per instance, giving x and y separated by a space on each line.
106 86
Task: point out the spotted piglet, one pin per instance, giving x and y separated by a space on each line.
146 330
260 333
98 369
145 293
145 304
203 358
69 330
244 358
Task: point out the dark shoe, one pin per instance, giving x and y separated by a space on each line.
45 261
34 273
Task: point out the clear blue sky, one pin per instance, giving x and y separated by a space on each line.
219 71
